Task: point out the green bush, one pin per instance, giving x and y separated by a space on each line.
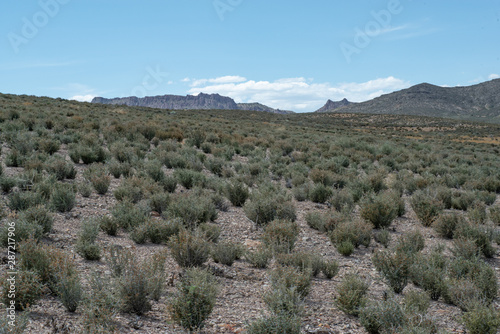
109 225
193 209
481 235
189 250
341 200
345 248
159 202
379 210
446 224
69 290
284 300
28 289
23 200
129 216
411 242
303 261
160 231
320 193
495 215
462 200
417 301
477 213
482 320
210 232
100 307
139 234
291 278
237 193
225 253
85 189
7 183
194 300
133 290
356 232
169 184
385 316
351 292
428 274
259 258
23 231
277 323
394 267
60 168
280 236
63 197
383 237
86 244
426 206
38 215
330 268
267 205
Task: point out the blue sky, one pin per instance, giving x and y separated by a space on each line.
287 54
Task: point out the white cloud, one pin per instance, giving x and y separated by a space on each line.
493 76
219 80
83 98
297 94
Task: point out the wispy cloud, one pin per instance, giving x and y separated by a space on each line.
299 94
493 76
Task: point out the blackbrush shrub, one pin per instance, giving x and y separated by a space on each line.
153 169
193 209
276 323
351 292
259 258
38 215
194 300
462 293
480 234
60 168
22 200
283 300
7 183
477 213
495 215
237 193
49 146
100 306
417 301
291 277
268 205
69 290
133 290
382 316
316 220
462 200
139 234
225 253
301 192
394 267
345 248
160 231
341 200
411 242
85 189
86 244
427 274
357 232
23 231
426 206
486 197
159 202
383 237
169 184
63 197
28 289
280 236
446 223
210 232
380 210
129 216
330 268
189 250
465 248
482 320
109 225
303 261
320 193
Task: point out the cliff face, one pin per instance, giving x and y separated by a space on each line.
333 105
189 102
480 101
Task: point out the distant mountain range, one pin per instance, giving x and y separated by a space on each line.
189 102
481 101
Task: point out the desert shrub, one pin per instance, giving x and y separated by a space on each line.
69 290
280 236
444 194
383 237
85 189
477 213
60 168
394 267
129 216
320 193
194 300
462 200
275 323
417 301
283 300
99 307
237 193
133 290
220 202
426 206
316 220
465 248
153 169
86 244
259 258
356 232
462 293
301 193
345 248
482 320
21 323
427 274
38 215
23 200
379 210
330 268
109 225
341 200
486 197
139 234
97 175
7 183
28 289
225 253
351 292
91 154
481 235
267 205
382 316
291 278
160 231
193 209
445 224
159 202
154 267
188 178
495 215
303 261
189 250
63 198
169 184
411 242
210 232
23 231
